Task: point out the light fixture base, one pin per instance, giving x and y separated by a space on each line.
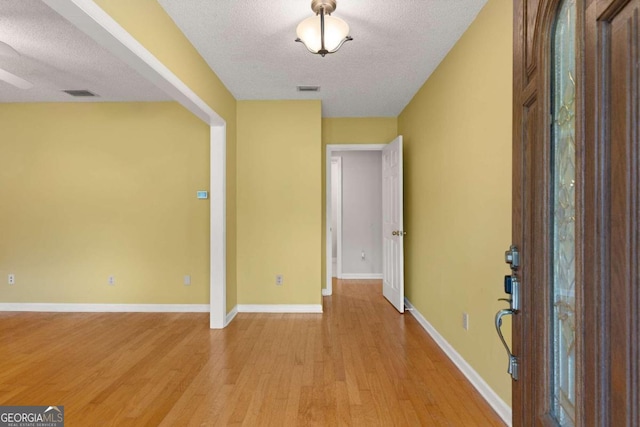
327 5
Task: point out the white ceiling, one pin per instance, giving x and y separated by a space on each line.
55 55
250 45
397 45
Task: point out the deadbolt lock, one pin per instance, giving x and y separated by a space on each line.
512 257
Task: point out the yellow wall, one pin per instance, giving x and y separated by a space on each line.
359 130
350 130
147 21
93 190
457 133
279 144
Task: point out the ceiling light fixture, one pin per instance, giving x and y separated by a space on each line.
323 33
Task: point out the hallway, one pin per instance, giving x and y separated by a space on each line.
360 363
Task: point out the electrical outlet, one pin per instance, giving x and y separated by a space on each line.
465 321
279 279
12 279
112 280
187 280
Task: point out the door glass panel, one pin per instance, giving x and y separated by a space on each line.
563 214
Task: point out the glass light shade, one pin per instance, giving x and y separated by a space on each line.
335 31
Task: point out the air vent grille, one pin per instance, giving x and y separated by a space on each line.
79 92
308 88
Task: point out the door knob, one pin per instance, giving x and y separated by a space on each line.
394 233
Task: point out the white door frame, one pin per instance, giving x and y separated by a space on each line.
87 16
338 225
327 223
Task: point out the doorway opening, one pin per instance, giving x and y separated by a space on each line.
356 214
391 208
353 212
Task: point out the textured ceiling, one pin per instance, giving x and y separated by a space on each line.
55 56
397 45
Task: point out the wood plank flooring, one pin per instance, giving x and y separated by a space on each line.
359 364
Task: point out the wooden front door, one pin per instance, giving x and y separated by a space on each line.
576 212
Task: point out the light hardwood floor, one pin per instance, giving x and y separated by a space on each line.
359 364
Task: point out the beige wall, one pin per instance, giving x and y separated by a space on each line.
350 130
457 133
93 190
147 21
278 201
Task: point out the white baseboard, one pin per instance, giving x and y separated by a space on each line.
104 308
361 276
279 308
326 292
492 398
230 316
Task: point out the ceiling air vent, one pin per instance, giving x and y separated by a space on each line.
308 88
79 92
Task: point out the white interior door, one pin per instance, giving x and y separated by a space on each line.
392 231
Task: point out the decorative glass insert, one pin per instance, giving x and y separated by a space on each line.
563 92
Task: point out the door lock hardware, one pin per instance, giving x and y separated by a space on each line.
512 287
513 360
398 233
512 257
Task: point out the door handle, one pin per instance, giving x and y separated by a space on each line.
512 288
398 233
513 360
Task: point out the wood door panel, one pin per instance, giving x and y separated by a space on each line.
530 228
624 216
607 216
531 11
525 239
608 9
